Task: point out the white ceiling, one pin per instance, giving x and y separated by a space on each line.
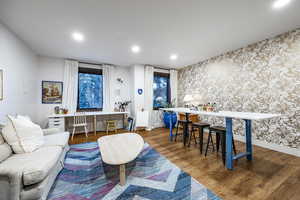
194 29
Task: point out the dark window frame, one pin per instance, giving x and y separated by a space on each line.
166 75
85 70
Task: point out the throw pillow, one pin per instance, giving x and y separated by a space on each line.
23 135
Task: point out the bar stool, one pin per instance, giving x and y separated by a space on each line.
181 124
220 131
200 126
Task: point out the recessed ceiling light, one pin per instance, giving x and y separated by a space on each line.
135 49
173 57
79 37
280 3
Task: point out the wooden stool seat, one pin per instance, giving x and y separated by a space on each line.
200 124
217 129
111 125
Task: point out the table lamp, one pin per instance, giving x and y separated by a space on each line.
188 98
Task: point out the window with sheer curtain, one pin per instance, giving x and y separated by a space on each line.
90 89
161 90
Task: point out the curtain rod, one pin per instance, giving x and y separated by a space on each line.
160 67
90 63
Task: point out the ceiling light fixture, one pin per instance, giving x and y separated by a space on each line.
78 37
280 3
173 57
135 49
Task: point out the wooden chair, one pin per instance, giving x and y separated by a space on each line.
79 121
111 125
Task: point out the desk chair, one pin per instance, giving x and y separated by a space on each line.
79 121
111 125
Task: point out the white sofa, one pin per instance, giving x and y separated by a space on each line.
29 176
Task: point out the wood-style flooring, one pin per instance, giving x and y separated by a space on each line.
271 174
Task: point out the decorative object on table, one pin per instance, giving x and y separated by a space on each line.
56 110
210 107
122 106
1 84
52 92
140 91
65 111
147 180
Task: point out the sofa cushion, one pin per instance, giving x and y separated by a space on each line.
51 131
1 139
23 135
5 151
60 139
32 167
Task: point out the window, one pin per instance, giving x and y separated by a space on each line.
161 90
90 89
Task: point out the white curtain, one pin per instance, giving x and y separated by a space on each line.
149 72
70 85
173 85
108 93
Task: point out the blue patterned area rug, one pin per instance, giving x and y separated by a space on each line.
150 176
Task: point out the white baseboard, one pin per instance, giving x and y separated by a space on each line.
275 147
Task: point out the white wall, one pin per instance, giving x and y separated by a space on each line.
19 64
49 69
137 73
52 69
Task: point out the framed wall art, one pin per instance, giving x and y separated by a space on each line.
52 92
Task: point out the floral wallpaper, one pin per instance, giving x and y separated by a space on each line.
263 77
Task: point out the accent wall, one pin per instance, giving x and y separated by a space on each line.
262 77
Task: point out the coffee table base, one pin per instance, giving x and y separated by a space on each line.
122 175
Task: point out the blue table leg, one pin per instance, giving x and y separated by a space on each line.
171 130
248 139
229 158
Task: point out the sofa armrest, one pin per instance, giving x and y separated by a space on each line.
10 186
51 131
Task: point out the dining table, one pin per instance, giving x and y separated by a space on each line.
229 116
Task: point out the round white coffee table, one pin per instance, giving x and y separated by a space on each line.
120 149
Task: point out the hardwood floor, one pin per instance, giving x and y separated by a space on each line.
271 174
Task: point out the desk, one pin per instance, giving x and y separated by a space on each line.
58 121
228 115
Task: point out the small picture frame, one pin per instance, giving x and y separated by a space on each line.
52 92
1 84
